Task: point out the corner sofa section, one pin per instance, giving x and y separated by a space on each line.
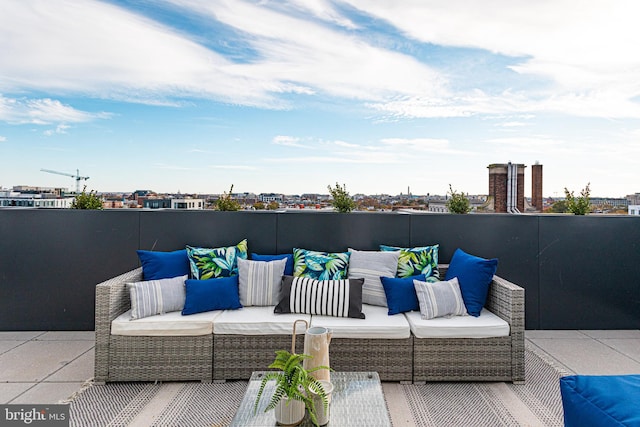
225 345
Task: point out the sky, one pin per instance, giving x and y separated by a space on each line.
383 96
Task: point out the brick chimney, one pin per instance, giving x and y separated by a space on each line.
498 177
536 186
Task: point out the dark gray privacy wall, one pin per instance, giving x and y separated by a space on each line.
578 272
50 261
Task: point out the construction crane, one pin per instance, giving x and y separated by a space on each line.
77 177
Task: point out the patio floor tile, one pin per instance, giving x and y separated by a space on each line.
9 391
20 336
48 393
588 357
68 336
627 334
81 369
36 360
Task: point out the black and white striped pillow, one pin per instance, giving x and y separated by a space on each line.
339 298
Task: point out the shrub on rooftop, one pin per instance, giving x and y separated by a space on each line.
226 203
579 205
341 200
85 200
458 203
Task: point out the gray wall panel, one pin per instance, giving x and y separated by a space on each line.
170 230
51 260
590 272
335 232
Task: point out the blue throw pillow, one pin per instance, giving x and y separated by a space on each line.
600 400
163 265
211 294
288 268
401 294
474 276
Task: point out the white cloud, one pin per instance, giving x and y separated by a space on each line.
95 48
60 129
43 111
288 141
3 138
324 10
588 50
299 54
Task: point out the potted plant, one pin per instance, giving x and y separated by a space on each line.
294 389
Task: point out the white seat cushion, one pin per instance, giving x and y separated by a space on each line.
258 321
168 324
376 324
488 325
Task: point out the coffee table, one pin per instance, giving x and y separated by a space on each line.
357 401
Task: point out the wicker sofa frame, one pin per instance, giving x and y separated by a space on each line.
225 357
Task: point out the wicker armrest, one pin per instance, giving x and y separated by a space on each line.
112 299
505 299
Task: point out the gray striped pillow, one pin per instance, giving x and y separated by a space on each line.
371 265
339 298
156 296
440 299
259 281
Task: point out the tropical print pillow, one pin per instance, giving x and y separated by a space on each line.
320 265
414 261
210 263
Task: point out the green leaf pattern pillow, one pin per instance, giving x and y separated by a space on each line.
414 261
320 265
210 263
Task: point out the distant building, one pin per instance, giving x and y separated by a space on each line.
634 199
189 204
271 197
173 203
35 197
634 210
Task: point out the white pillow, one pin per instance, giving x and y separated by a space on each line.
259 281
440 299
371 265
156 296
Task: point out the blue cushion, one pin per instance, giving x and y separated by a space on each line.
607 400
163 265
211 294
288 268
474 276
401 294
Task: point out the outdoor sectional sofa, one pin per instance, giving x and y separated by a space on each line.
231 344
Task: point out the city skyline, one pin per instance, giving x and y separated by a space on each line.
194 96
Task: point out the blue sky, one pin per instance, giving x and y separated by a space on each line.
291 96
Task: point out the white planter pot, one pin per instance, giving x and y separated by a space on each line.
321 414
289 412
